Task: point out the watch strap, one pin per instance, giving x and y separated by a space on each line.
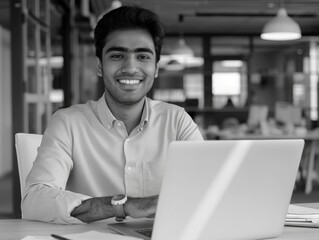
119 212
118 207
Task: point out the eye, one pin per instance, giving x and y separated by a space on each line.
144 57
116 56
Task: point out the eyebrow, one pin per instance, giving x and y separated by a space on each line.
123 49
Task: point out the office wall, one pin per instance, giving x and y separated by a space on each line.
5 103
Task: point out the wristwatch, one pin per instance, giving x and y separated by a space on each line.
118 202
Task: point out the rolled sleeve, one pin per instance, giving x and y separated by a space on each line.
43 203
66 202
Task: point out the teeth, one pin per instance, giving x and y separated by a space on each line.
129 82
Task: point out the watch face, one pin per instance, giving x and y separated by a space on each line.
118 197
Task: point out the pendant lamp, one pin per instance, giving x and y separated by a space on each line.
182 49
281 28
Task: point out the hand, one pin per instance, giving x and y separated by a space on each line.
141 207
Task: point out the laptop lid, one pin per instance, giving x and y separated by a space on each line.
227 189
237 189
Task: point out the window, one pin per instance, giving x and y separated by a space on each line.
226 84
229 83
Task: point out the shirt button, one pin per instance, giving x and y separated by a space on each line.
118 124
129 168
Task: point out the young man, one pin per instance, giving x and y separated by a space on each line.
106 158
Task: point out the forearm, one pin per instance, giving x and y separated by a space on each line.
94 209
141 207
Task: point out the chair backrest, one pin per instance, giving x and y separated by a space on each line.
27 149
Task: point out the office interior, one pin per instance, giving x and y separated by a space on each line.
214 64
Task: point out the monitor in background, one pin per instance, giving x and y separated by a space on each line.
286 113
257 115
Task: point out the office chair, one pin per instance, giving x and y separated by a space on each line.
27 149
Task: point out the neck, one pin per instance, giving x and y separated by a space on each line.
129 114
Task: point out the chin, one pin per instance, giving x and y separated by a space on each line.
131 101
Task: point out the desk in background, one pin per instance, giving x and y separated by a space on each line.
309 155
15 229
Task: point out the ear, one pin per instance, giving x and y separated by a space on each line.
99 67
156 70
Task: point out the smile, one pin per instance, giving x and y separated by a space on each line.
130 81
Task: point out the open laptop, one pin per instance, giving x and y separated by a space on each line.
232 189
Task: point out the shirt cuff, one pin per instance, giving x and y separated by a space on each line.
67 202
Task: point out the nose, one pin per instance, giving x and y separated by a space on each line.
130 65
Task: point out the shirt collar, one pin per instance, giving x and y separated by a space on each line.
108 120
145 114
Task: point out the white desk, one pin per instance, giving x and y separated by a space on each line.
15 229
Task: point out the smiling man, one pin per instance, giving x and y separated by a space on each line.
128 66
106 158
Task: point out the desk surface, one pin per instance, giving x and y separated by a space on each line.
15 229
308 137
228 134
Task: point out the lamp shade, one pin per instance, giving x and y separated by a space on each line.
182 49
281 28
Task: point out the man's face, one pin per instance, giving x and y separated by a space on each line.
128 65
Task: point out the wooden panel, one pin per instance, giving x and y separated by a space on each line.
5 103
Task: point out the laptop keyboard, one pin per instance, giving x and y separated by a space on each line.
145 231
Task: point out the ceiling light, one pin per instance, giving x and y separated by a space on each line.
116 4
174 65
182 49
232 63
281 28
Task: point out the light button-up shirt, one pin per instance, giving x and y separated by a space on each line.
86 152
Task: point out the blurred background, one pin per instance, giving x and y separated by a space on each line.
218 62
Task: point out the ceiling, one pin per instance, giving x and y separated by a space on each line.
213 17
223 17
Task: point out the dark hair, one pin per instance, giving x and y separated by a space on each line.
129 17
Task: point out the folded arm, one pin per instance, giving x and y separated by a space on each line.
95 209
